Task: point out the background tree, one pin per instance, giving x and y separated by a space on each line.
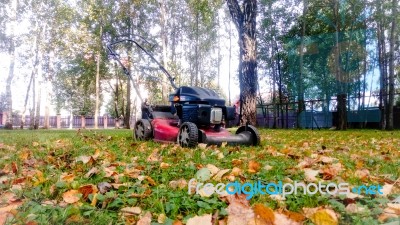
244 17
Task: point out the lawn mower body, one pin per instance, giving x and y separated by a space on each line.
195 115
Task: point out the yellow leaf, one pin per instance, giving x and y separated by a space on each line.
324 217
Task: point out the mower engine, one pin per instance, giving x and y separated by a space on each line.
201 106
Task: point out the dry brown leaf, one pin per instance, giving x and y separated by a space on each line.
264 213
86 190
354 208
391 211
85 159
71 196
306 163
213 169
284 219
14 167
236 171
67 177
91 172
362 173
110 171
387 189
220 174
164 165
197 220
310 174
297 217
5 211
254 167
237 162
330 172
181 183
145 220
239 210
154 157
151 181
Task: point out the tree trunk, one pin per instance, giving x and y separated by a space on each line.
96 113
301 106
33 109
127 117
245 22
382 70
11 52
341 95
26 100
389 115
38 101
164 38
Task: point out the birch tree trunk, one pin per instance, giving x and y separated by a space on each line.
389 115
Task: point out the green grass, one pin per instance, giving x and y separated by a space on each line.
54 152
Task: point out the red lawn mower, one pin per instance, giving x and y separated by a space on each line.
196 115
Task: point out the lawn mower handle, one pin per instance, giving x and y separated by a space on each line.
126 71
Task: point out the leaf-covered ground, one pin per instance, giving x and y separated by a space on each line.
105 177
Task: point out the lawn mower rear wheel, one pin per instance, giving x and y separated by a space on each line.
143 130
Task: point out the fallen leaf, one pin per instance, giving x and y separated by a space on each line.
86 190
362 174
239 210
213 169
354 208
104 187
254 167
164 165
203 174
386 189
181 183
67 177
85 159
264 213
220 174
71 196
197 220
154 157
310 174
237 162
324 217
91 172
145 220
330 172
161 218
14 167
293 216
132 210
5 212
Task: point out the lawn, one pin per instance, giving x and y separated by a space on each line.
105 177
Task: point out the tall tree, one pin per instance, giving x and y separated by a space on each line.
245 20
12 54
392 40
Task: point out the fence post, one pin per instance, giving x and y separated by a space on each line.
58 121
83 121
105 119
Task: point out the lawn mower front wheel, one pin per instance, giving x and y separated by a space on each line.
143 130
188 135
